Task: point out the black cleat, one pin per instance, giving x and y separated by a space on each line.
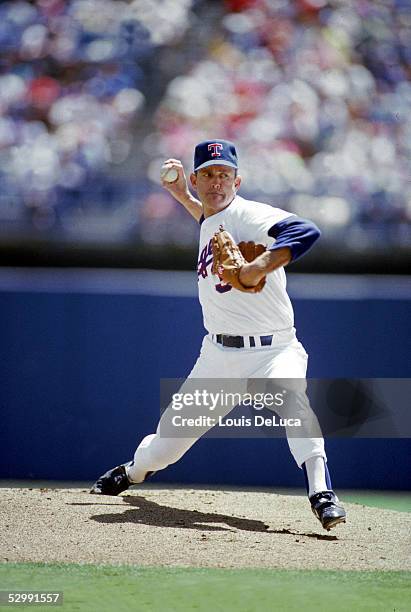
326 508
114 481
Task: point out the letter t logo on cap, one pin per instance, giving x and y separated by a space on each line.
215 153
215 147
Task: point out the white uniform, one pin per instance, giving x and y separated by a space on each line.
231 312
235 312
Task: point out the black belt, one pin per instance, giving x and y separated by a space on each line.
238 341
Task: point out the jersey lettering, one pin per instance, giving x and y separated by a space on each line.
205 260
223 287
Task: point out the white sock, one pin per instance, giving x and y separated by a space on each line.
315 470
134 474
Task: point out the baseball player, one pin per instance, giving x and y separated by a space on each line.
247 312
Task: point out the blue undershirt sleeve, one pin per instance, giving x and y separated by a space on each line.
296 233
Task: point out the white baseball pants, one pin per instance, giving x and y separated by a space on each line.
285 359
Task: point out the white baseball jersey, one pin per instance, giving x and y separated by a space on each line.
227 310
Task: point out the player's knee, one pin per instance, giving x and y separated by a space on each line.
166 456
147 441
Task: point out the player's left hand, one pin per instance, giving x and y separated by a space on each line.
231 260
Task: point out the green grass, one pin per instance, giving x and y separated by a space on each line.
118 588
390 500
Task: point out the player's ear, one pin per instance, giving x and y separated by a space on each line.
237 182
193 179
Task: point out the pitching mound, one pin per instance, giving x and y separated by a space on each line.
200 528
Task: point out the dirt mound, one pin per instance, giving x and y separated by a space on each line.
196 527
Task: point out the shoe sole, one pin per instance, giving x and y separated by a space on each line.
94 492
334 522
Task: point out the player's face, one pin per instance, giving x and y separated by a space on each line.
216 187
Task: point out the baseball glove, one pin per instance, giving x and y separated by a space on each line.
229 258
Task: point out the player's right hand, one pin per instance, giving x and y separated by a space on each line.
178 188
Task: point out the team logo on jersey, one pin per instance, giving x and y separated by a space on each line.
204 261
215 147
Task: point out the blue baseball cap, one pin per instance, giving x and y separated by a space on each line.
215 152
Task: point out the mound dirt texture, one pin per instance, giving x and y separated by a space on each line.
195 527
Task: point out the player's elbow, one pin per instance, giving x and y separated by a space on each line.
315 232
309 235
296 233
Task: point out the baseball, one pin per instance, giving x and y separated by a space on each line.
170 175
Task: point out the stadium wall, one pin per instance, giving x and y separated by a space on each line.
82 352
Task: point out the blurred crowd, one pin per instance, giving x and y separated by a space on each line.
70 97
316 95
